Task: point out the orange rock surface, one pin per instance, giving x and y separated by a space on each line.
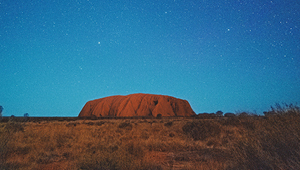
137 105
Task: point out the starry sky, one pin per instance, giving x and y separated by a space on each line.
228 55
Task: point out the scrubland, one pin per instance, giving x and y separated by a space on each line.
236 143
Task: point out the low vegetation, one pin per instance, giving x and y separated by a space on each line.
234 143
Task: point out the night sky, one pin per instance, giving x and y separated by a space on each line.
228 55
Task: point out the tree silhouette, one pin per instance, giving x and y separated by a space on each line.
26 115
219 113
1 108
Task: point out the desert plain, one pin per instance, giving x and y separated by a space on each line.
240 142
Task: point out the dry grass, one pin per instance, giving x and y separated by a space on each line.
240 143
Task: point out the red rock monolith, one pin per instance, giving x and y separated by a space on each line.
137 105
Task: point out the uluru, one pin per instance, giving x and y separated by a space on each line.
137 105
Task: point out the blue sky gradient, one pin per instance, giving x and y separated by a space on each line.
219 55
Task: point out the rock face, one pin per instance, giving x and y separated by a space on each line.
137 105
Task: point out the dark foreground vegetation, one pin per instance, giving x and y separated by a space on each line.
271 142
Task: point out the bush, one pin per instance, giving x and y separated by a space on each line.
168 124
99 163
269 144
119 160
219 113
5 137
12 126
200 130
135 149
125 125
284 109
243 114
158 116
229 115
7 131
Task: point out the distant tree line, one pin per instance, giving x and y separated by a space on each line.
228 114
278 109
217 114
26 115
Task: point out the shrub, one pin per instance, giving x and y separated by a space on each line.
47 157
229 115
171 134
247 156
71 124
100 123
158 116
22 150
14 165
243 114
125 125
97 162
5 137
90 123
248 124
150 166
168 124
12 126
119 160
7 131
231 122
219 113
269 144
135 149
284 109
200 130
145 135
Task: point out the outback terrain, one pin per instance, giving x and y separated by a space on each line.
240 142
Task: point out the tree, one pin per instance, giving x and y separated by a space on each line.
1 109
26 115
219 113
